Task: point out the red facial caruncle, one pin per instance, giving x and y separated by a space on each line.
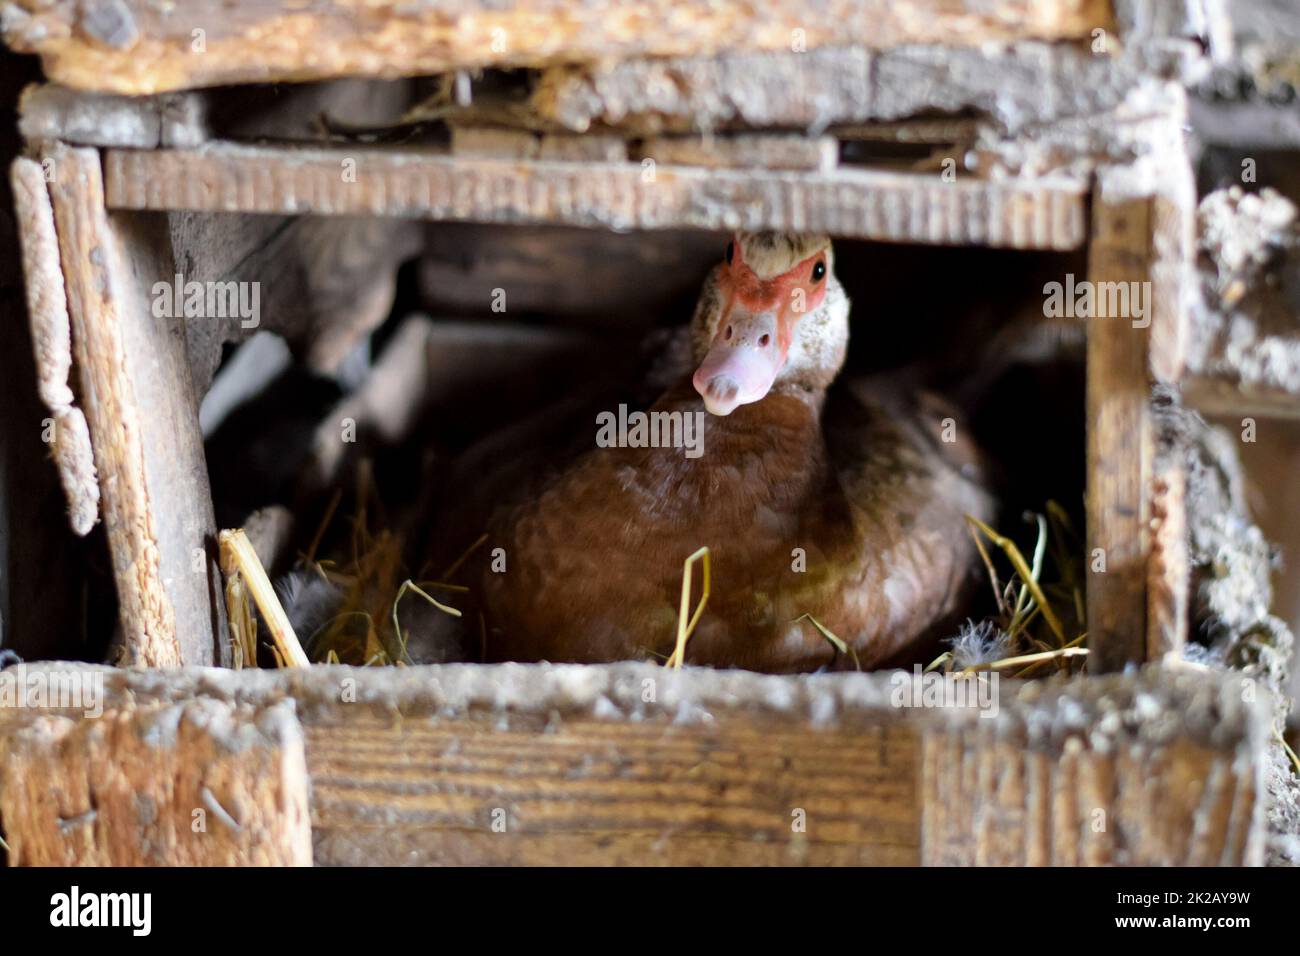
755 329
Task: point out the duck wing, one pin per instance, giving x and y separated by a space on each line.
910 473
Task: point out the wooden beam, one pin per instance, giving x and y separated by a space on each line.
1173 253
135 47
412 183
793 151
48 111
47 310
197 783
1223 396
140 406
1120 440
1015 89
635 764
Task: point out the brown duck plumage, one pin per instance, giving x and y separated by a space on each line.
849 511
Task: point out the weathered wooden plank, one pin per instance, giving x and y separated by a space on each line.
1120 442
506 143
1169 569
994 799
1014 88
198 783
636 764
744 150
1172 253
482 790
134 47
48 111
139 403
1217 396
1140 270
47 310
93 274
413 183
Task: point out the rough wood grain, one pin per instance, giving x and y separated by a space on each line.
1172 277
1120 442
634 764
1015 88
199 783
504 143
754 150
134 47
1006 797
1215 396
48 111
482 790
1143 238
140 404
94 275
1034 214
1169 571
47 310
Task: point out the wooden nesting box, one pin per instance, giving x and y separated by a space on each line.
1048 125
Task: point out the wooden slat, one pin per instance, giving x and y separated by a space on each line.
93 274
635 764
1222 396
994 801
199 783
612 792
1172 254
134 46
47 310
139 403
898 207
1120 443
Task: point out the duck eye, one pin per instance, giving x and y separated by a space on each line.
731 251
818 270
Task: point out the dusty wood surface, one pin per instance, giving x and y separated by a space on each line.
133 47
139 403
94 275
635 764
175 463
1120 443
48 111
1169 570
47 309
587 791
504 143
285 113
991 801
1214 396
1142 238
38 554
1035 214
758 150
1014 88
199 783
1172 251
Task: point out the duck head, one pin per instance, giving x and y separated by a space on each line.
772 315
